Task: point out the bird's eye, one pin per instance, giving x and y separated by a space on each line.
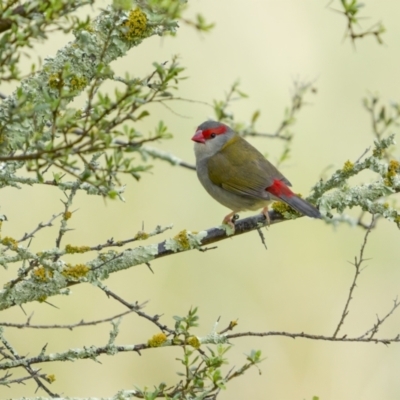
213 135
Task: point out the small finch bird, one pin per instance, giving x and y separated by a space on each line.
238 176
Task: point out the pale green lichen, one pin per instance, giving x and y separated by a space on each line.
109 37
364 196
113 261
229 229
185 240
162 155
285 210
93 271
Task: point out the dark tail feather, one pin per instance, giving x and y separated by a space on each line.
302 206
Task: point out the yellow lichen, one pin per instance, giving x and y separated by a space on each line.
393 170
283 208
233 323
67 215
55 81
348 166
135 25
42 298
69 249
42 274
141 235
50 378
78 82
182 239
157 340
194 342
10 242
75 271
394 167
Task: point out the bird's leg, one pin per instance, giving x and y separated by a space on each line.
266 215
230 219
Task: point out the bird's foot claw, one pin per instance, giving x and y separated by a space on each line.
266 215
229 220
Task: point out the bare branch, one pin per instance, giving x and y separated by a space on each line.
371 332
79 324
357 264
345 338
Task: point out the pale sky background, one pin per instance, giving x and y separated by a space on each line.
300 284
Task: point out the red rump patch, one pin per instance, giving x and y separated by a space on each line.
217 130
278 189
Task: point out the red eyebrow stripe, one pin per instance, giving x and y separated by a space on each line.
218 130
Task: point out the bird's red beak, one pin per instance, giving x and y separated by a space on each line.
198 137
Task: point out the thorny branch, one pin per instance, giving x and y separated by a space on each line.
137 309
344 338
382 118
371 332
357 265
40 226
174 340
70 327
12 355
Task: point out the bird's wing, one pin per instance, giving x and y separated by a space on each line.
242 169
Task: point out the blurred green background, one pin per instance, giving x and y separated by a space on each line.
301 283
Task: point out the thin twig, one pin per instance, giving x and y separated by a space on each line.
262 238
80 324
40 226
27 366
137 309
357 264
371 332
345 338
